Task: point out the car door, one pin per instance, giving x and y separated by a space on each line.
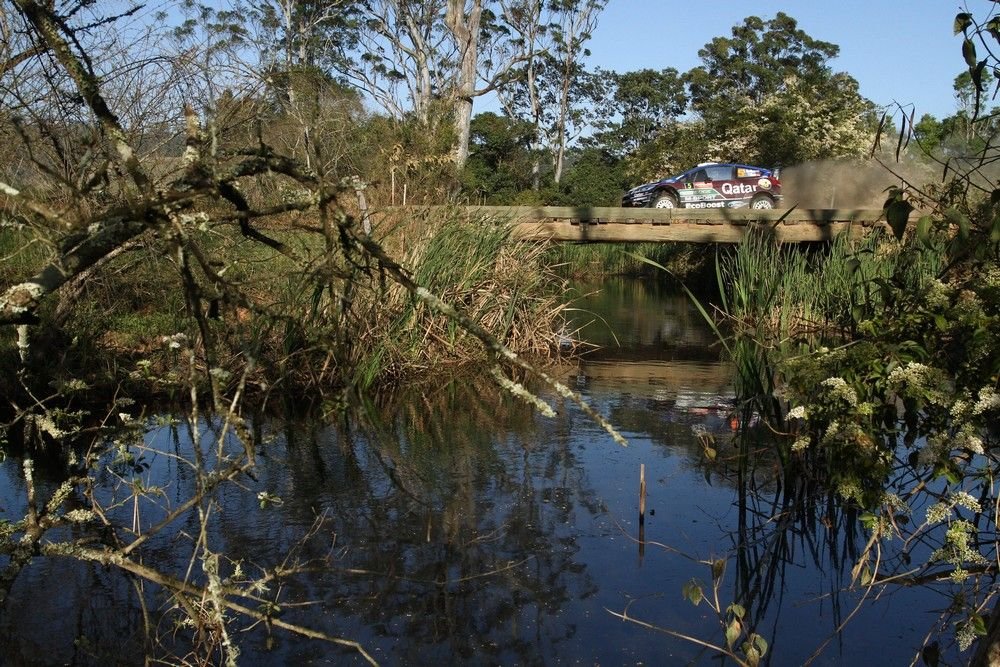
725 183
698 190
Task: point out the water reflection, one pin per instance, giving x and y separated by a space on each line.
456 526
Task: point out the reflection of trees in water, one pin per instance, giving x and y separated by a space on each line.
448 535
781 524
71 613
641 318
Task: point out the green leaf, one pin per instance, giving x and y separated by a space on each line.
718 569
978 625
759 643
896 214
924 230
692 591
733 632
962 21
940 322
993 27
969 53
710 453
752 654
737 610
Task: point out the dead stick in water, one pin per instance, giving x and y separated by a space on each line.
642 493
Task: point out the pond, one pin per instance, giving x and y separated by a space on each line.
457 526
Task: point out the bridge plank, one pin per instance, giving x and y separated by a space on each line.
639 225
683 232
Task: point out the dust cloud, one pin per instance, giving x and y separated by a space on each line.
845 184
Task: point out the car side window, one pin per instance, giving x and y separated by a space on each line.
700 176
720 173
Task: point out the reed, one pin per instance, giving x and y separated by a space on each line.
502 284
683 261
321 320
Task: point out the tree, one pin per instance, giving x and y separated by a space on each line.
551 89
593 178
769 77
411 55
575 21
499 165
643 103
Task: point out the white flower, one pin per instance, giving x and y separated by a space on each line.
176 341
938 512
938 294
220 374
963 499
840 389
989 399
913 374
798 412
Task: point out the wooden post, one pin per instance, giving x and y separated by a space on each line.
642 512
642 493
359 189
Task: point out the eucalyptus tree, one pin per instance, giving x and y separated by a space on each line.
300 32
428 58
551 88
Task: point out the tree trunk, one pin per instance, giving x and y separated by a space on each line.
465 29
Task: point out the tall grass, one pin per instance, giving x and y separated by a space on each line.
685 261
779 292
502 284
323 319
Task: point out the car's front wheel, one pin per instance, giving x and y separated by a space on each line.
665 200
762 203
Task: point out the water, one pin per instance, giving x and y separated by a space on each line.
459 527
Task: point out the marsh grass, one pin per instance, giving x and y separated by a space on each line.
320 320
502 284
686 261
781 293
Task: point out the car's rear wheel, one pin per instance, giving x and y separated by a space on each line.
665 200
762 203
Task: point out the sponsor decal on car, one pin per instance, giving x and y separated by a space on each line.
765 184
707 204
743 172
738 189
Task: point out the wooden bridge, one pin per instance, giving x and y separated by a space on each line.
648 225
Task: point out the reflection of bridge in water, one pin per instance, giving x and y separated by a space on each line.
690 392
661 380
647 225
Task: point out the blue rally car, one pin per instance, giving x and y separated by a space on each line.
711 185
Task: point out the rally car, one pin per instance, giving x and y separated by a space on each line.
711 185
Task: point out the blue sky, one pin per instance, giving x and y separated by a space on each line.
901 52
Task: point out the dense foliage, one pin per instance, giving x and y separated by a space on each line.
878 366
